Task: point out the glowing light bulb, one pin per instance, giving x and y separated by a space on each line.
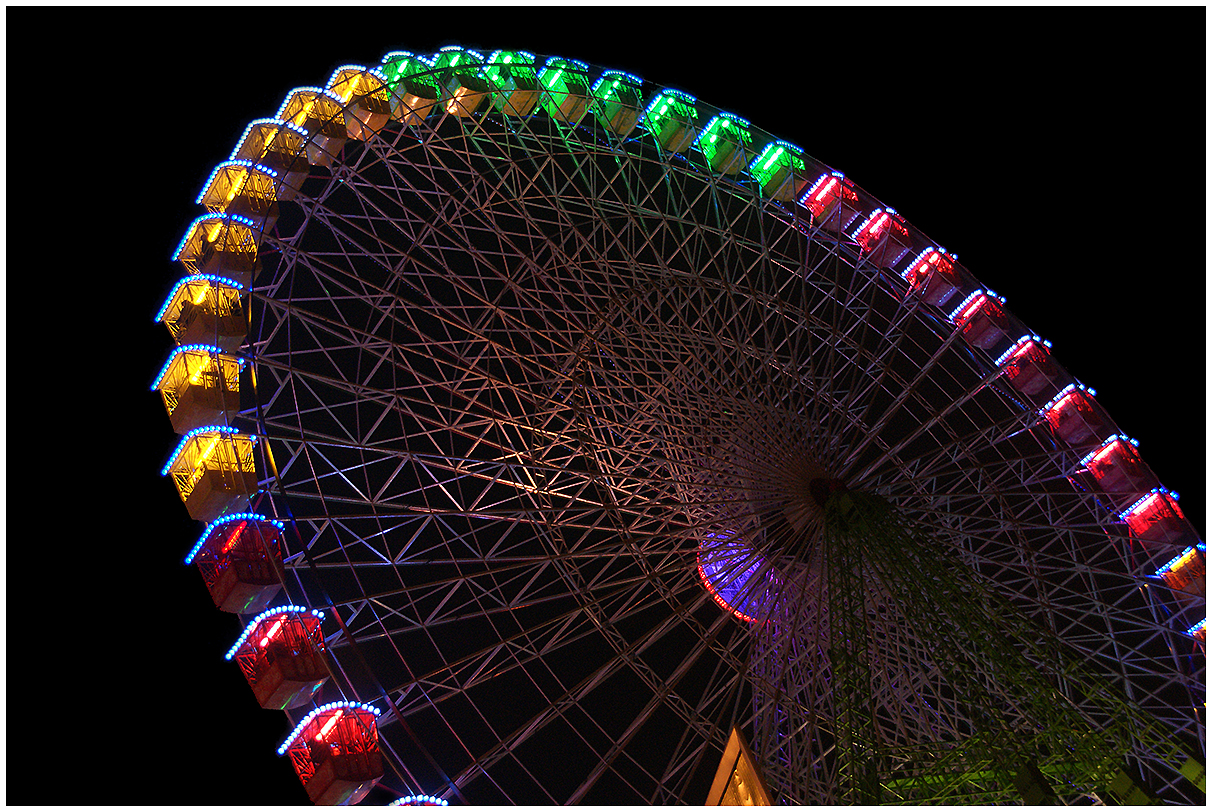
328 726
273 630
197 376
235 536
237 187
201 294
214 441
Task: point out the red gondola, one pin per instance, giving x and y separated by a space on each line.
239 558
281 654
335 752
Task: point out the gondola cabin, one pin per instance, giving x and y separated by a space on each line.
464 88
617 102
321 114
833 202
981 319
239 557
1118 471
882 238
779 170
281 147
244 188
565 86
281 654
368 101
514 82
214 471
1076 418
726 144
410 78
1029 368
1187 571
672 118
221 245
335 752
1156 517
205 309
200 386
932 277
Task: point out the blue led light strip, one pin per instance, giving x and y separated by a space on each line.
206 348
194 433
1170 564
217 523
226 219
319 91
226 164
419 800
299 728
1103 447
1022 343
1139 503
268 613
172 294
276 122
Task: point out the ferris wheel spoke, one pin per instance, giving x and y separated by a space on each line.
574 696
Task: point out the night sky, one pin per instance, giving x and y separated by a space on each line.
1058 153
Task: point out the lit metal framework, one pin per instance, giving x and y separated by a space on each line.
602 423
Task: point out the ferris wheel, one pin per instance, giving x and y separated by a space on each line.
550 431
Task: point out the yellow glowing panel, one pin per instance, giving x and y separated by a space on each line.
738 781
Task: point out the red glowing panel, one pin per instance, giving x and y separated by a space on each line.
273 632
982 322
968 312
1075 418
825 193
1156 508
920 270
874 229
238 563
335 752
328 726
1072 402
1029 369
1107 456
235 536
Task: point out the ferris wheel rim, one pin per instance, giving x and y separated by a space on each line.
269 434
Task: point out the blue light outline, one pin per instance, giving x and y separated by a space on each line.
268 613
195 433
194 277
229 518
211 350
294 734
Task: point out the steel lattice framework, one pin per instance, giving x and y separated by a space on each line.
514 377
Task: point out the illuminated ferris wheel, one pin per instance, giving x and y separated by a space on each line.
555 434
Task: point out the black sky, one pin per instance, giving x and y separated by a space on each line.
1059 153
